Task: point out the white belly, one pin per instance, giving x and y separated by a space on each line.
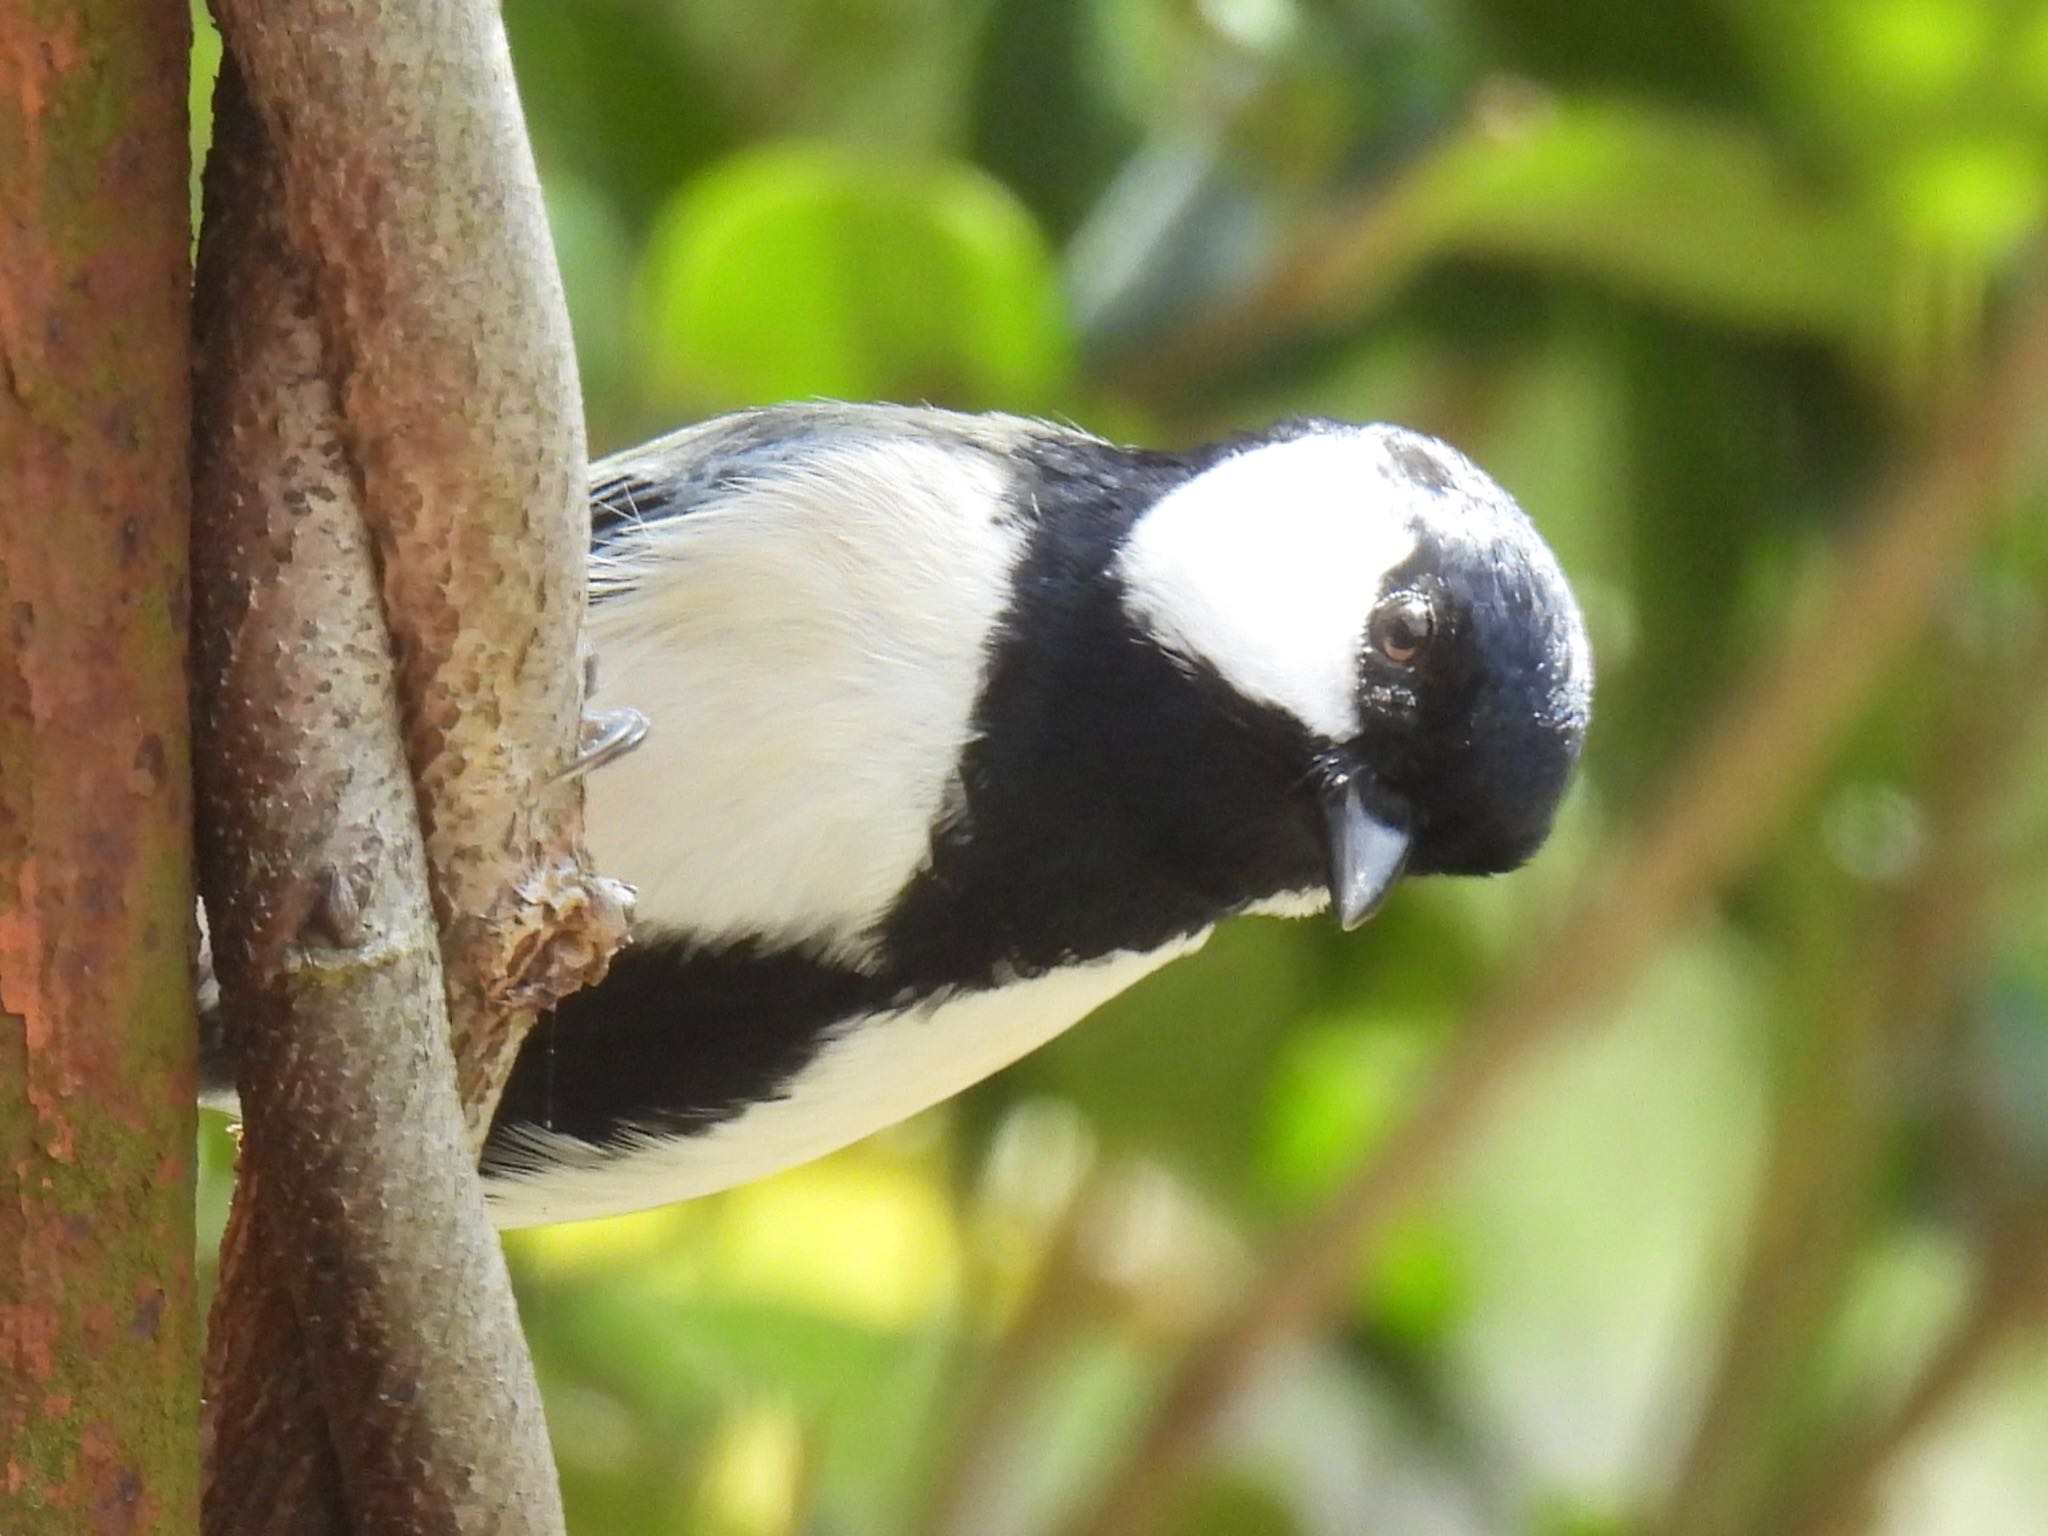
886 1070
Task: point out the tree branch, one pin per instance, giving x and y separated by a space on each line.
411 198
357 1158
1723 804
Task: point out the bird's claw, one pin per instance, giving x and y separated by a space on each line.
607 736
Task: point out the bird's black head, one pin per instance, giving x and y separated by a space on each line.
1402 640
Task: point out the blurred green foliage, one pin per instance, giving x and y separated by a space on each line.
1694 278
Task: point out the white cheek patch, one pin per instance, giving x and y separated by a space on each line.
1267 567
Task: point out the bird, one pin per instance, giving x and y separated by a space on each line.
962 724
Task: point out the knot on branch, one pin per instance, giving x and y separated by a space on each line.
558 937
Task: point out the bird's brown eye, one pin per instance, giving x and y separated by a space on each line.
1402 626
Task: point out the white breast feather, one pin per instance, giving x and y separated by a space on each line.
809 647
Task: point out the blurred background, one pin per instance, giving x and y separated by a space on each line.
1693 1181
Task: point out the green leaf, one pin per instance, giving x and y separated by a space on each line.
1336 1093
805 270
1415 1289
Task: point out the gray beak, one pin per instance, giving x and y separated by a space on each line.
1366 854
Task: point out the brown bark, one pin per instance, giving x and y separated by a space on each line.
98 1341
358 1192
411 196
389 411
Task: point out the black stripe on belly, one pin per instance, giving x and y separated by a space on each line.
680 1037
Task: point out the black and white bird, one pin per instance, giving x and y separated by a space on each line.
962 724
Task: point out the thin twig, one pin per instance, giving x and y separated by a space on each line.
1724 803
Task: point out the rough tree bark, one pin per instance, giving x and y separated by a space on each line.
411 196
356 1152
97 1339
389 400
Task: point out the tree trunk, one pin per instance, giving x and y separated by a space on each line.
98 1348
